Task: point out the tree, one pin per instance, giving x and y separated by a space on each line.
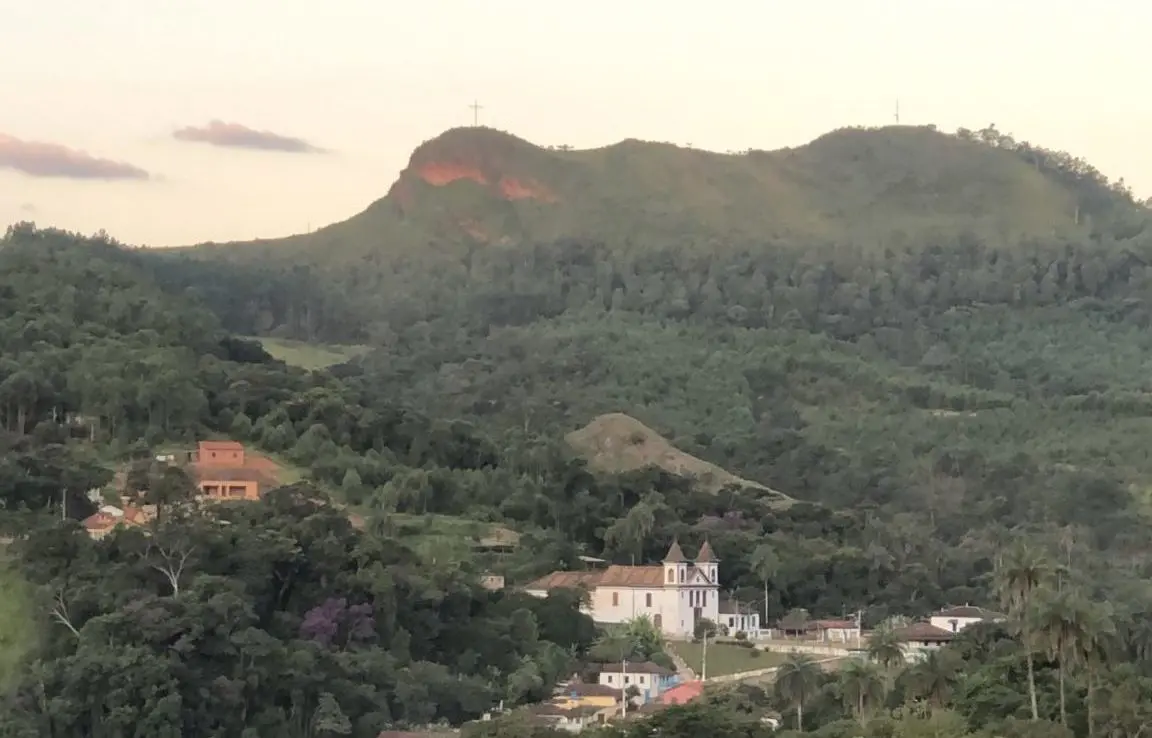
1062 622
797 681
885 647
765 564
933 677
862 686
1017 576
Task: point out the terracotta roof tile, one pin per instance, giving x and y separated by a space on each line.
675 554
632 576
924 633
566 580
706 555
968 611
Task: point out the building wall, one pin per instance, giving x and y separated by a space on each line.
209 456
223 489
946 623
748 622
649 685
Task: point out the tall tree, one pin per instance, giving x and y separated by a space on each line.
1017 577
797 680
862 686
1062 621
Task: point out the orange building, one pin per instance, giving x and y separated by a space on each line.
222 472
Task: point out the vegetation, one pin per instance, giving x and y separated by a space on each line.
884 356
307 355
725 658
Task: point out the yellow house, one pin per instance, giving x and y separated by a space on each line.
571 696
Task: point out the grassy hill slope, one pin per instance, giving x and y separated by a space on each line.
869 187
618 443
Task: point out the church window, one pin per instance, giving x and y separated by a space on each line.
671 576
648 600
681 576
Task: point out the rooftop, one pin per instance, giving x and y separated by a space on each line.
923 633
639 667
968 611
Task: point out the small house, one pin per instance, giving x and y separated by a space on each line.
649 679
956 619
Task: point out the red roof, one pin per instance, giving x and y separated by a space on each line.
682 693
834 624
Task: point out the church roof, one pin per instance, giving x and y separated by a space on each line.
675 554
706 556
645 577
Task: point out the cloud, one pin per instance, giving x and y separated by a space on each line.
40 159
234 135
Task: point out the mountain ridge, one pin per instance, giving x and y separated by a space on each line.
876 188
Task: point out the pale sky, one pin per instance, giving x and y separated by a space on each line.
369 80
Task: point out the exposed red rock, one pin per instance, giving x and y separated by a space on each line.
439 174
516 189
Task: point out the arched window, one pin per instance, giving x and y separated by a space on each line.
671 576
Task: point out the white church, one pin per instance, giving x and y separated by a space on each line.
674 595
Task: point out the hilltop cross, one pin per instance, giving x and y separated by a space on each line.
476 108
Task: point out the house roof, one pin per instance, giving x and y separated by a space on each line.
682 693
968 611
834 624
675 554
923 633
639 667
706 555
584 689
222 445
730 607
566 580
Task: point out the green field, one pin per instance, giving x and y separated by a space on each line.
309 355
17 631
726 658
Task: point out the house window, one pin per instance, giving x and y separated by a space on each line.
648 600
627 680
213 454
615 599
731 622
609 678
954 624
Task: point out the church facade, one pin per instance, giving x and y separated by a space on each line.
674 595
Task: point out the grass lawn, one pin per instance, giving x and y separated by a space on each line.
17 630
725 658
309 355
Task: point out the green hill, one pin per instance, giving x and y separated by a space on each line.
871 187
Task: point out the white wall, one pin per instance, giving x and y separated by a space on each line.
945 623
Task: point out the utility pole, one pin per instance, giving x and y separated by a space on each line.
476 108
897 111
624 687
704 659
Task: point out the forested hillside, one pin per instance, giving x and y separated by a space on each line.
938 383
935 346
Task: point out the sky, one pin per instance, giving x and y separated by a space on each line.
172 123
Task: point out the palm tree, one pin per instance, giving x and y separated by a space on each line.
1096 648
885 647
797 680
861 685
1062 623
1017 578
933 677
765 565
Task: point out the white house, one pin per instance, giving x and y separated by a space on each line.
956 619
674 595
649 679
737 618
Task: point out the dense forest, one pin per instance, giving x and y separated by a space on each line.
928 395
